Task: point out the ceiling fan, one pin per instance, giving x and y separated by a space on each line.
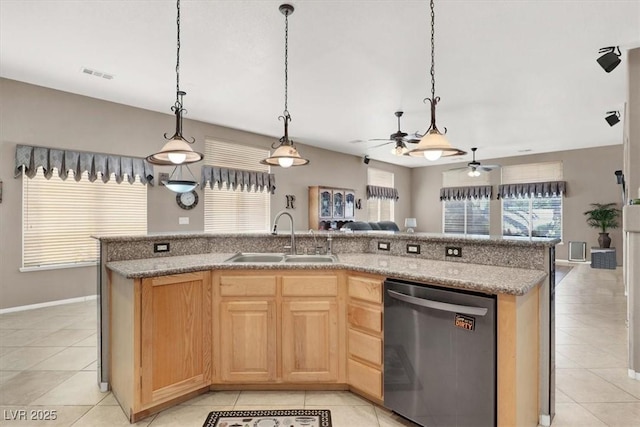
398 138
476 167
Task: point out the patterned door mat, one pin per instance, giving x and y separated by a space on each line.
279 418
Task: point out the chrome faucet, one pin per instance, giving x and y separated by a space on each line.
329 249
293 235
316 248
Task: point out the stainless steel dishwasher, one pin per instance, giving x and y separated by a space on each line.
439 355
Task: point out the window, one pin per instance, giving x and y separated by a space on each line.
377 209
469 216
226 210
532 215
59 217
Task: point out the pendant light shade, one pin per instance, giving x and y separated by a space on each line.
285 154
178 149
433 143
178 182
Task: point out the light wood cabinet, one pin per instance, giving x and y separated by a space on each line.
245 327
175 335
279 328
160 340
248 340
310 340
364 334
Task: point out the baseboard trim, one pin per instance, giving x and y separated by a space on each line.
634 375
545 420
47 304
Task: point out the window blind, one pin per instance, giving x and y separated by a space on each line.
532 172
469 216
59 217
226 210
380 209
533 206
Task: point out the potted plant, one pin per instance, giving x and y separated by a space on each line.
603 216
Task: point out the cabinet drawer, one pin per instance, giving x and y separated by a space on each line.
307 286
247 286
365 347
365 378
365 317
365 289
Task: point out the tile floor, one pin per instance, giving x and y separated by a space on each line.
48 362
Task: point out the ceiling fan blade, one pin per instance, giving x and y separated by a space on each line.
458 169
383 144
356 141
411 140
489 168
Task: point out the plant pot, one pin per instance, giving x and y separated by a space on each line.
604 240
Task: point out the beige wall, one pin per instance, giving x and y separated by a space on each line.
45 117
40 116
590 178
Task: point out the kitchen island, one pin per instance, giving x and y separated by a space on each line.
184 324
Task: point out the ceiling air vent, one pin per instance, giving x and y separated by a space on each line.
96 73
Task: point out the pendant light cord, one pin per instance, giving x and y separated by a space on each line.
286 63
178 103
433 53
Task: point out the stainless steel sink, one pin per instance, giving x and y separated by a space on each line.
310 258
244 257
256 257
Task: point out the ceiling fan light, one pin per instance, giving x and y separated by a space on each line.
399 150
174 152
285 156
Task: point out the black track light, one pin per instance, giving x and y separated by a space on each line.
610 60
366 160
613 117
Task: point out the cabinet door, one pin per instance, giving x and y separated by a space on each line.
175 332
248 340
310 340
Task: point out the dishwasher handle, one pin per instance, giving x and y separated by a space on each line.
437 305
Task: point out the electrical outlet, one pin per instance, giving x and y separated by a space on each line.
384 246
183 220
454 251
413 249
160 247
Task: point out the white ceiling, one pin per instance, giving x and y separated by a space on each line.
512 75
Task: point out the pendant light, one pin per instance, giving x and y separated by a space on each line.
179 183
433 144
285 154
177 150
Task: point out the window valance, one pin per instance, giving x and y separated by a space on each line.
383 193
31 158
464 193
245 180
533 189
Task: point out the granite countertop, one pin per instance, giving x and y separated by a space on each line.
483 278
418 237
